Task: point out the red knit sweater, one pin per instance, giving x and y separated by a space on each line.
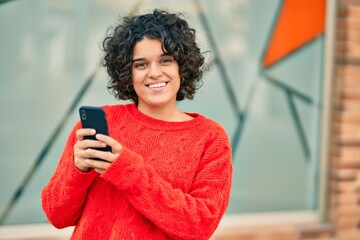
172 180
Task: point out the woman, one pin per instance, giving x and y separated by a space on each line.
168 175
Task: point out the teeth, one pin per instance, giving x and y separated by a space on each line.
157 85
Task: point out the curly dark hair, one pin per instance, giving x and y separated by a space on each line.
177 39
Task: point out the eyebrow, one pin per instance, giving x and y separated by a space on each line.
142 59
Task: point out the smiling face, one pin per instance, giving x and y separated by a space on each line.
155 75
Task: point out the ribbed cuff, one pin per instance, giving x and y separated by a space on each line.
125 171
79 178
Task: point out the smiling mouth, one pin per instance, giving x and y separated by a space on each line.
157 85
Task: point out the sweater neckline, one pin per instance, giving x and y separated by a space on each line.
161 124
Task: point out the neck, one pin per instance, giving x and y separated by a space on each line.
166 113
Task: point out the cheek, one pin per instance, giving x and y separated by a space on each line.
137 87
136 78
178 84
135 82
178 79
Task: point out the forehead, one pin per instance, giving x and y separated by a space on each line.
148 47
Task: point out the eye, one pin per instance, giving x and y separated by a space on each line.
166 60
140 65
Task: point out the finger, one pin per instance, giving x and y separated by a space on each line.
105 155
82 132
116 147
81 164
88 143
99 170
97 164
86 153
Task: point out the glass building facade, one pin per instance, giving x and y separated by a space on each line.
272 111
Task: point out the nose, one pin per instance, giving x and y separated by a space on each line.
154 71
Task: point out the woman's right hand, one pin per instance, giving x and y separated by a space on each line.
80 154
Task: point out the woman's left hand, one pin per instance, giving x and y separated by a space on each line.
109 157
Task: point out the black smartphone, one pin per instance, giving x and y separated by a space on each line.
94 117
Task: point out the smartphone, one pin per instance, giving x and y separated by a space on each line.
94 117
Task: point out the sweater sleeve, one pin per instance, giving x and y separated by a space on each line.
192 215
64 196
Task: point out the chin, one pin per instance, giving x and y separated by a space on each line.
159 103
